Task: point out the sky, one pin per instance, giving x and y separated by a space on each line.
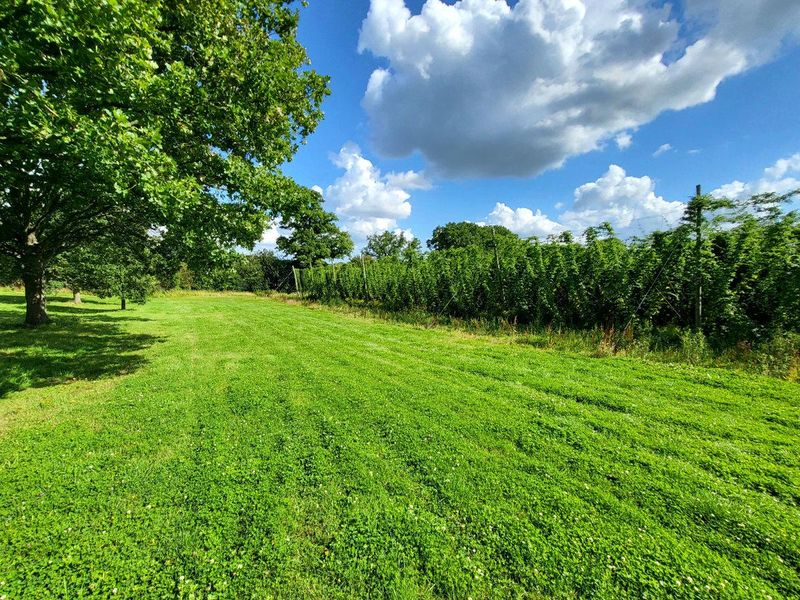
547 115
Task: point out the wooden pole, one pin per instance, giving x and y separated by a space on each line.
297 282
364 270
499 271
698 258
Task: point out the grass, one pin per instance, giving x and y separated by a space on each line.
234 447
778 356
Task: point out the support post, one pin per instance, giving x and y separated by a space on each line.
698 258
297 287
499 270
364 271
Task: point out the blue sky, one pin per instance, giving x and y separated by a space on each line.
751 123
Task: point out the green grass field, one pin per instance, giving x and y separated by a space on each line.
235 447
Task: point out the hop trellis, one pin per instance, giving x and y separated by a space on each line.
751 272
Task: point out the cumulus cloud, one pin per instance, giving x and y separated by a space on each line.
407 234
782 167
626 202
484 88
629 203
269 239
662 149
524 221
782 177
409 180
623 140
368 201
270 236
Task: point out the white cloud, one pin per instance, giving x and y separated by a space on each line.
623 140
662 149
367 201
409 180
407 234
269 238
783 166
629 203
363 228
524 221
483 88
782 177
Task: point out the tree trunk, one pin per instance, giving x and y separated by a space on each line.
76 296
123 304
33 278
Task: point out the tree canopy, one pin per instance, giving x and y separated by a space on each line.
465 234
390 245
314 235
118 117
109 270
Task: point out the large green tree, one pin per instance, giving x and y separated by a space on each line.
117 116
313 234
465 234
390 245
108 269
76 269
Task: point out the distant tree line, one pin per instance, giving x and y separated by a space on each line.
731 270
132 277
257 272
132 274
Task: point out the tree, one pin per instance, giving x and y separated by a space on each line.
116 117
76 269
314 236
390 245
124 275
107 270
274 273
466 234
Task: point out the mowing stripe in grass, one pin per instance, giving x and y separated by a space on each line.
258 449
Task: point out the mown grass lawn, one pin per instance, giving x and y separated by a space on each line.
229 446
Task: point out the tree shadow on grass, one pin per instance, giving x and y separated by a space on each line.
18 297
79 343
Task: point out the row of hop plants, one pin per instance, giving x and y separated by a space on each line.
524 282
749 271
